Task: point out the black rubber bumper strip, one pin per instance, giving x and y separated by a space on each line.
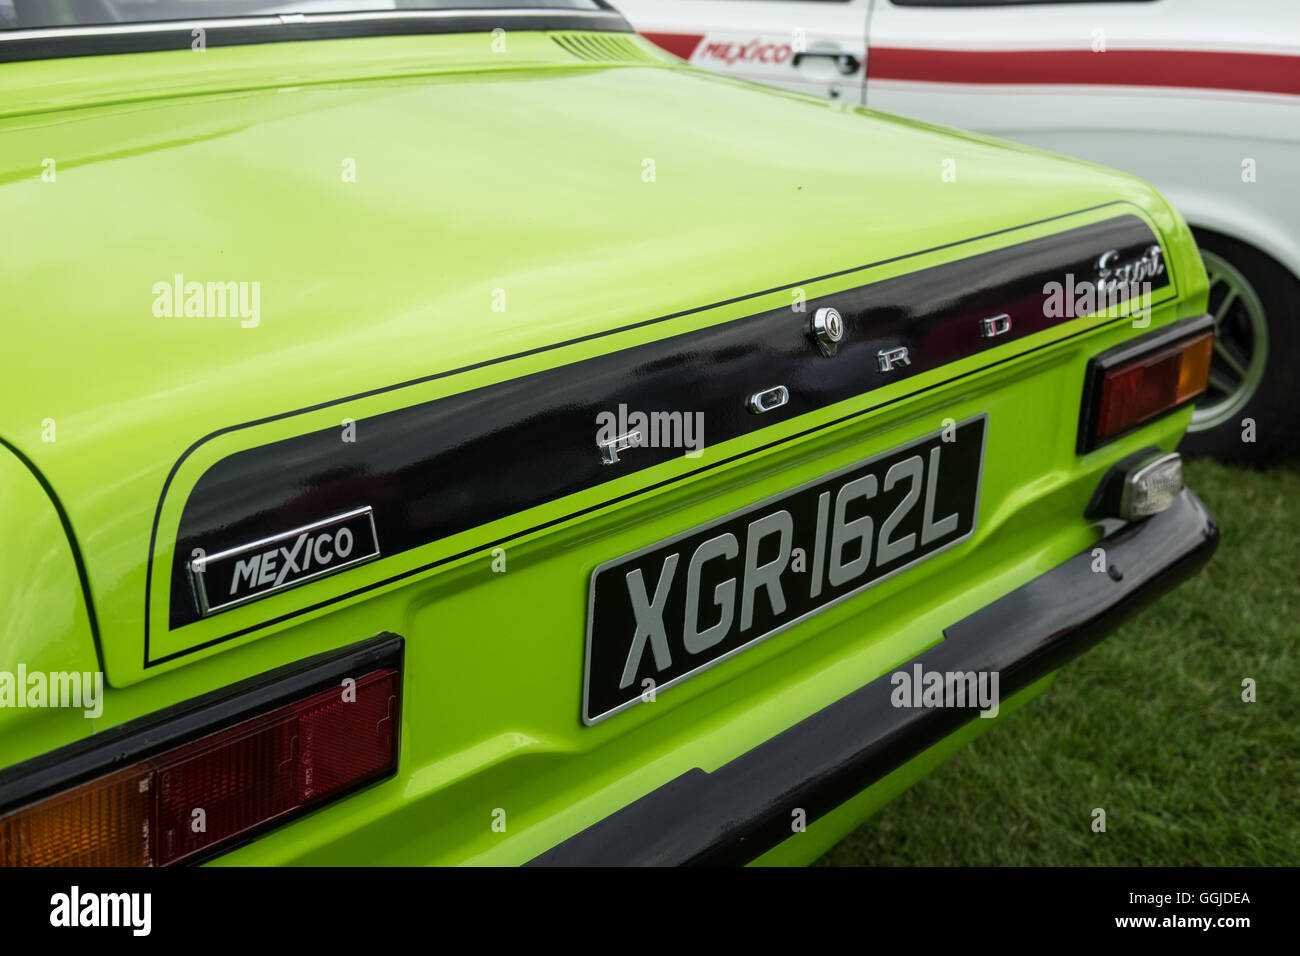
742 809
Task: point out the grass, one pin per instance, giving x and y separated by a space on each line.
1149 726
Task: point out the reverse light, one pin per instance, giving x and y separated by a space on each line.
1142 484
189 800
1141 380
1152 488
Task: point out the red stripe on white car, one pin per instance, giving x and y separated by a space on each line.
678 44
1253 72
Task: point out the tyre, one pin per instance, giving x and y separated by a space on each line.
1255 368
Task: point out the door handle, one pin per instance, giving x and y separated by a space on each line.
846 63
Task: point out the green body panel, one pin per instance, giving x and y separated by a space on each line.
522 175
44 624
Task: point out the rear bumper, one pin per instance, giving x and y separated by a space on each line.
739 811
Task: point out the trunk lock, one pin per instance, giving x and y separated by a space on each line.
827 330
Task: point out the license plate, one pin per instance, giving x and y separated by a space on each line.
664 613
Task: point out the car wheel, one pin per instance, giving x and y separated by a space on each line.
1253 371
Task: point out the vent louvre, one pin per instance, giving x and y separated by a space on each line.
603 48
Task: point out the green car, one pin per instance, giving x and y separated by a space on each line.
468 434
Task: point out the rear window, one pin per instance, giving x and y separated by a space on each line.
35 14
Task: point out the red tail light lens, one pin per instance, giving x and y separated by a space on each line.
1143 384
192 799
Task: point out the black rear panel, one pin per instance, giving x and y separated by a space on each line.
441 467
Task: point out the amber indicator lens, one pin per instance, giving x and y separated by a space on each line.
101 823
1194 371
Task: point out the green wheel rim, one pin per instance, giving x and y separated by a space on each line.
1240 345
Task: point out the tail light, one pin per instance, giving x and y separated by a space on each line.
1141 380
194 798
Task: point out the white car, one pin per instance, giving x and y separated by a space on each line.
1199 97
